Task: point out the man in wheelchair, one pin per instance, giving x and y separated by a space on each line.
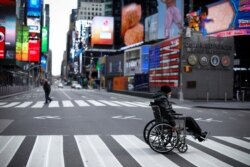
161 100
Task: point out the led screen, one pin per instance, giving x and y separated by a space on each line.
34 50
132 30
34 27
167 22
45 39
34 8
102 31
8 21
2 42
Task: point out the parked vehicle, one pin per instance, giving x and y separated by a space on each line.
60 85
78 86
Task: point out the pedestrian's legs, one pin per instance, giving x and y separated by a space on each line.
192 126
46 97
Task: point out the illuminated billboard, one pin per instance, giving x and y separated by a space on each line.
224 18
34 8
8 21
102 30
2 42
167 22
22 44
34 50
132 29
45 39
34 27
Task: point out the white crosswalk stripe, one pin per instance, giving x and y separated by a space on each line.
226 150
78 103
94 151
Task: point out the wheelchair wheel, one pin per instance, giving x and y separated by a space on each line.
162 138
146 129
182 148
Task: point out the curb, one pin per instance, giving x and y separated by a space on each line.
221 108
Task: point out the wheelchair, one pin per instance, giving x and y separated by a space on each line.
161 136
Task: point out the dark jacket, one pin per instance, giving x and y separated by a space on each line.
46 87
161 100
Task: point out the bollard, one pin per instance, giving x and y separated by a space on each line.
225 96
242 95
238 95
207 96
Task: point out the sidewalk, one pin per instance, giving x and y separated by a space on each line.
218 104
228 105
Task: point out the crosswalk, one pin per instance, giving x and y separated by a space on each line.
118 150
78 103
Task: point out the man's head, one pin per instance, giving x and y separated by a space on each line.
166 89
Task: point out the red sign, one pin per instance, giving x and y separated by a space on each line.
2 42
34 50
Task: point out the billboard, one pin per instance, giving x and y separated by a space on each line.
167 22
34 27
224 18
45 39
8 20
43 62
34 8
102 30
2 42
132 28
34 50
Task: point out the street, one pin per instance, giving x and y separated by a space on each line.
97 128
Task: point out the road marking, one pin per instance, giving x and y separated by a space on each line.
12 104
47 151
8 147
2 103
96 103
234 141
48 117
25 104
109 103
66 94
81 103
200 158
94 152
124 104
141 152
136 104
126 117
54 104
38 104
207 120
225 150
67 103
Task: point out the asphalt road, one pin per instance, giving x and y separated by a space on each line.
99 128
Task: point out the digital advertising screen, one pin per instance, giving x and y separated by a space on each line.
34 50
223 18
8 21
132 28
43 62
34 8
45 39
2 42
102 30
167 22
34 25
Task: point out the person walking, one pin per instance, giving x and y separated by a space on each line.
161 99
47 89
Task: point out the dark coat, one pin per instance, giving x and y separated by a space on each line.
46 87
161 100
